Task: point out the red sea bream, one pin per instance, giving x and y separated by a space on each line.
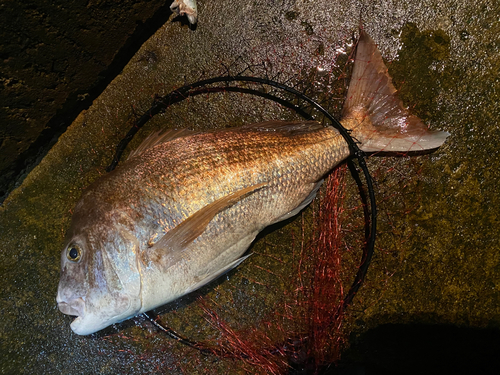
184 207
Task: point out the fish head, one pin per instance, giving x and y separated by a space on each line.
100 282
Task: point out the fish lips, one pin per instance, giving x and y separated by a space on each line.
83 324
87 322
74 307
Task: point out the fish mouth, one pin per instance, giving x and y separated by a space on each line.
75 307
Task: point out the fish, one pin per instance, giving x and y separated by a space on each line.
186 8
185 206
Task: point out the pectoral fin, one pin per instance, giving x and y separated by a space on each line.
171 245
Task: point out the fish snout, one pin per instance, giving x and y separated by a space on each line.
74 307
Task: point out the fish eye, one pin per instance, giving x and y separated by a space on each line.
73 253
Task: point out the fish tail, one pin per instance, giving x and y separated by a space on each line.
375 114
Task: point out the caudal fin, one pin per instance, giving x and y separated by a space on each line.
374 112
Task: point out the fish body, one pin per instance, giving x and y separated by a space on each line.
223 186
184 208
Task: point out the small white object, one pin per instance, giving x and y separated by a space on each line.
186 8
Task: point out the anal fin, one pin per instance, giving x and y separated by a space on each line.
200 281
303 205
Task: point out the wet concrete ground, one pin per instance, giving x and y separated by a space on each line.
438 260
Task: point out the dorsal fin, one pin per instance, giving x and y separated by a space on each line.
158 137
289 128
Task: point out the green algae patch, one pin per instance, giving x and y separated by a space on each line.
417 71
448 273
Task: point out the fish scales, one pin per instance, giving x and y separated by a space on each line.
206 167
186 174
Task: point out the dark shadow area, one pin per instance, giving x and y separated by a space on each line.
78 101
183 20
394 349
